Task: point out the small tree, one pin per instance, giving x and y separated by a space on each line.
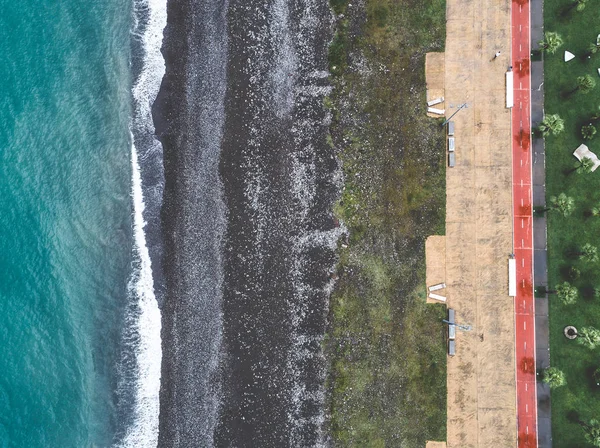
588 253
585 83
551 124
580 4
567 293
592 432
595 211
595 115
553 377
562 203
588 131
584 166
551 42
589 337
592 49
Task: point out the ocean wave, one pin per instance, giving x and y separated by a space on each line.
144 323
143 319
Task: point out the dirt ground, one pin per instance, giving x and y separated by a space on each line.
434 67
479 239
435 256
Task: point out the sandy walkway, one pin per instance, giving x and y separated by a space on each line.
481 377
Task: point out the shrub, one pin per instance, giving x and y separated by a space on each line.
588 131
589 337
553 377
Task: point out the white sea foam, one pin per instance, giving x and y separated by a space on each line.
147 86
147 325
144 319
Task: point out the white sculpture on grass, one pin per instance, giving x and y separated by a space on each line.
569 56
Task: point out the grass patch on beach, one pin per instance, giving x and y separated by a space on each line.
386 346
580 398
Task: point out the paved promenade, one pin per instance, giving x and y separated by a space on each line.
479 233
499 173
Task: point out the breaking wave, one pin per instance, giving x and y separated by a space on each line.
141 364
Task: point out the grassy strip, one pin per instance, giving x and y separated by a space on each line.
580 398
387 381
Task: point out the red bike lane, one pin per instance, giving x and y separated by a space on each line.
523 228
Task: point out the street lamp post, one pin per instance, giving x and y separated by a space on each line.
457 111
459 326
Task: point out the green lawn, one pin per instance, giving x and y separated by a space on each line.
580 399
385 345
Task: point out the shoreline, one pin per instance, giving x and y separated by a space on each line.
192 220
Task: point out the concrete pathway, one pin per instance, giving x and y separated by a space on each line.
540 260
481 376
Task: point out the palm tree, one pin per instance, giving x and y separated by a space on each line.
584 166
589 337
585 83
561 203
592 50
588 131
551 42
595 211
551 124
553 377
592 432
566 292
588 253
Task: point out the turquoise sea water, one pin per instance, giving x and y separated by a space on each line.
65 218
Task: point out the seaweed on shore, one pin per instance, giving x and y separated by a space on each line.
385 346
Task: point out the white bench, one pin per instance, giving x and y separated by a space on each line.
436 287
433 110
437 297
435 101
510 102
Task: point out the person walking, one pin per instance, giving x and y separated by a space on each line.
497 54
